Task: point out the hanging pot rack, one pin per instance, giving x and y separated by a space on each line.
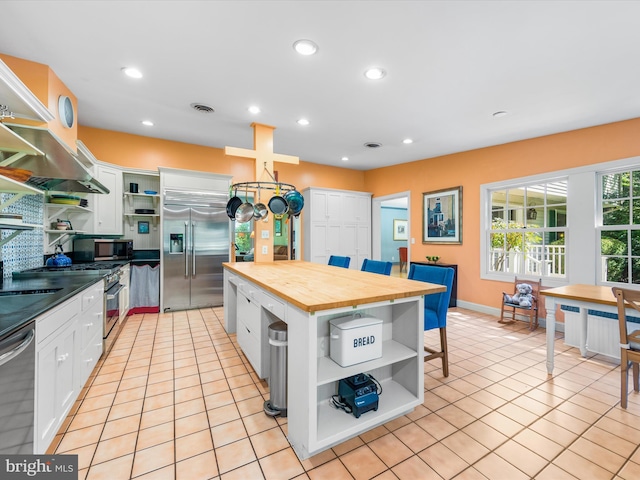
259 185
276 186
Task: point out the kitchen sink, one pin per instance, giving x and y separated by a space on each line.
12 301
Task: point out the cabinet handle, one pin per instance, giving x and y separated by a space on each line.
62 358
248 331
89 360
88 325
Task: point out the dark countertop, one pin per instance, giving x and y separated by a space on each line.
70 285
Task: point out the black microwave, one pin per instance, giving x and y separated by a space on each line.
95 249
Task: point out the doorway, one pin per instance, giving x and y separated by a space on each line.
391 229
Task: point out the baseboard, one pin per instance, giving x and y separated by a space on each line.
476 307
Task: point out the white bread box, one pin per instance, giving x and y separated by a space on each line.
355 339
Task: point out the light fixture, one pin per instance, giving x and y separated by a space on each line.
500 113
375 73
344 159
305 47
254 109
132 72
303 121
532 214
407 141
147 123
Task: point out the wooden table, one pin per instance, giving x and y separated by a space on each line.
582 297
306 296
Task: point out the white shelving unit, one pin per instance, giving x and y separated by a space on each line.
8 185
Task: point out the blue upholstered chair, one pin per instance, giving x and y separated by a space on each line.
435 307
376 266
337 261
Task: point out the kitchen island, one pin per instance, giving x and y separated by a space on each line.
306 296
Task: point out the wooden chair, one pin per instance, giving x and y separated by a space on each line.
435 308
629 342
531 312
402 255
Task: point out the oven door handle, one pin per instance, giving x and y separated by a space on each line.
111 296
7 357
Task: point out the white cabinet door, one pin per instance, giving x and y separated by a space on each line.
108 208
57 388
337 222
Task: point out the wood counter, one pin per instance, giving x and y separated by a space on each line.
313 287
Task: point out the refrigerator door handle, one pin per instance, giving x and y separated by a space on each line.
193 249
186 250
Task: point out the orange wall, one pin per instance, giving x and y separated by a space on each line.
471 169
134 151
47 87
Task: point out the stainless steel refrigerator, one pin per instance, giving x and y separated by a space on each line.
195 231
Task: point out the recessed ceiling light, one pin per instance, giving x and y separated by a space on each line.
375 73
147 123
407 141
500 113
254 109
344 159
373 144
132 72
305 47
303 121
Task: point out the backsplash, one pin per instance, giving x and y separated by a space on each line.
26 249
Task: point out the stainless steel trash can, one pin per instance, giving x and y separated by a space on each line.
277 403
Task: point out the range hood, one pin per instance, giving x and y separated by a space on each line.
59 169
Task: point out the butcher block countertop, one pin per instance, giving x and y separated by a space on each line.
314 287
579 292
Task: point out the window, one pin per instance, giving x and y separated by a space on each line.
527 230
242 236
620 227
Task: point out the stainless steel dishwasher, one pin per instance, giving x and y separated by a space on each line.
17 386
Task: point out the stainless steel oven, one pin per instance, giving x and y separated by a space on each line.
112 304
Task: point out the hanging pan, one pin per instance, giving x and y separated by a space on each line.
232 205
278 205
260 209
295 200
244 213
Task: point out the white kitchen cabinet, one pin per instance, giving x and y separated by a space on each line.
108 207
56 373
69 344
125 294
337 222
256 310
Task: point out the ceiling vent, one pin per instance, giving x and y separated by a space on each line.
201 107
373 145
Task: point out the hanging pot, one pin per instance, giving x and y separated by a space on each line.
295 200
260 209
278 205
232 205
244 213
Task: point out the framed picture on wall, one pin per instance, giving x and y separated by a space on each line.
143 227
277 224
400 229
442 216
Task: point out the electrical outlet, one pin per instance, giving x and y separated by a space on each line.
413 240
393 259
265 233
265 249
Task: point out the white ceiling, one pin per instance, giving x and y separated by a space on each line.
552 65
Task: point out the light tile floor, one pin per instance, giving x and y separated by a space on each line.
177 399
